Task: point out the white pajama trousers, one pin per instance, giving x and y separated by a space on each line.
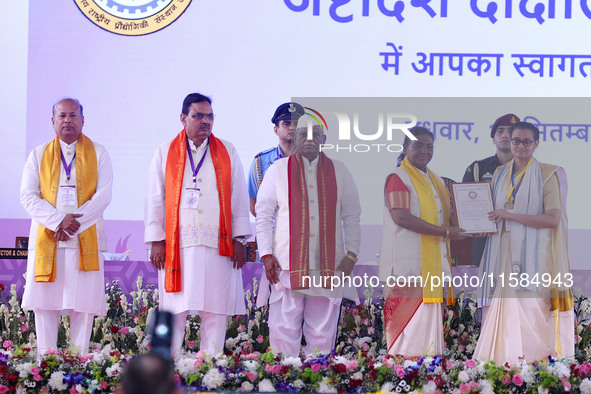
46 324
213 332
320 317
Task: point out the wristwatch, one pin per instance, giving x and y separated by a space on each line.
242 240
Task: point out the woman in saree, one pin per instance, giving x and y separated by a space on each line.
525 264
415 243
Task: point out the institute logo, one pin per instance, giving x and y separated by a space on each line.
132 17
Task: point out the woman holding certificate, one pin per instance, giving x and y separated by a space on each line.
527 281
415 244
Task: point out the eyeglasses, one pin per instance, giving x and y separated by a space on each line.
420 146
527 142
199 116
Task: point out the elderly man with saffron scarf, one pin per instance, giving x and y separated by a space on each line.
66 187
415 243
196 219
307 222
525 265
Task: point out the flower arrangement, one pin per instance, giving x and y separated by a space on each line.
359 363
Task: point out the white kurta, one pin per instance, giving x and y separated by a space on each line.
73 289
209 282
272 221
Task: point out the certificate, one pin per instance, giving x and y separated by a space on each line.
473 202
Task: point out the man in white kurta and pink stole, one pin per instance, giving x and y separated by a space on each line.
197 221
307 223
66 187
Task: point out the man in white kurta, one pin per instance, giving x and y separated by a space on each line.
317 307
81 293
211 284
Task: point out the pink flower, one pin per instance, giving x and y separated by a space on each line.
34 371
260 339
461 348
517 380
366 322
251 376
104 385
352 365
315 367
241 328
470 363
198 363
177 378
387 362
190 344
37 377
585 369
22 319
73 390
365 347
3 389
399 371
23 328
7 344
199 354
136 319
371 330
245 344
464 335
252 356
124 330
506 380
566 384
274 368
50 352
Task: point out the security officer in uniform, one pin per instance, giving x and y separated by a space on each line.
483 170
285 120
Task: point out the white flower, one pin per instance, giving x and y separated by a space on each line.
56 381
251 365
585 386
408 363
298 384
185 366
246 386
294 362
463 376
222 362
560 370
542 390
485 387
79 388
430 387
363 340
357 376
266 386
387 387
24 369
326 386
527 373
469 348
113 370
213 379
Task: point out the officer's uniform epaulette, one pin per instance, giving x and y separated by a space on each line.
266 151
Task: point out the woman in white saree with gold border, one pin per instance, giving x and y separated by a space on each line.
525 265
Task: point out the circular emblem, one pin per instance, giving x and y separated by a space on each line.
472 195
132 17
516 267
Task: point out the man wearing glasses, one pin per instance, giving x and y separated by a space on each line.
196 219
483 170
285 118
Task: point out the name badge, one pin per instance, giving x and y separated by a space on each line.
68 196
191 198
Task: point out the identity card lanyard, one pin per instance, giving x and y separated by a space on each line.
67 168
515 187
195 170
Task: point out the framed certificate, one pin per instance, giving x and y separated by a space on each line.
473 202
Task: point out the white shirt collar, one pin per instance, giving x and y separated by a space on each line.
68 149
200 148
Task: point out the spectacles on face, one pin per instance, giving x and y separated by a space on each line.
418 146
199 116
526 142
